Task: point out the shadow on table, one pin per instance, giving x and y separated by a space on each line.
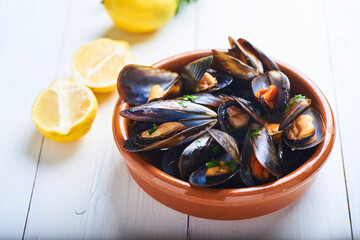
132 38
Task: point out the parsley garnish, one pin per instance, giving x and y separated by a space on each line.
198 144
299 96
253 133
214 163
153 129
190 98
231 164
183 104
216 150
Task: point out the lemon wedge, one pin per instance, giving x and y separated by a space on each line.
64 111
98 63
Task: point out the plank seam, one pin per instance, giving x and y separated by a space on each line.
336 113
33 187
43 138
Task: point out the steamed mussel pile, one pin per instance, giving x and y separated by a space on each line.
227 120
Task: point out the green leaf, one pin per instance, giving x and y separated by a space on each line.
254 133
299 96
183 104
183 2
213 163
153 129
216 150
231 164
190 98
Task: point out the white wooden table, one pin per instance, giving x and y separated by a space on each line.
83 190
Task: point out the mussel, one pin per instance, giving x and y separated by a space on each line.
306 131
272 89
259 157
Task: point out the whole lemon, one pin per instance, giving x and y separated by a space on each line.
140 16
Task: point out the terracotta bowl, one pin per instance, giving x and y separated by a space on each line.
227 204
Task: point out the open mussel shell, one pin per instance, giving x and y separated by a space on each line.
138 144
245 171
223 81
210 100
198 178
267 63
194 71
277 78
227 142
319 132
241 53
195 155
264 149
293 109
233 119
134 77
234 66
256 111
168 111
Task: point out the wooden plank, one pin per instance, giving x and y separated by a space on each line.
296 34
29 45
343 26
83 189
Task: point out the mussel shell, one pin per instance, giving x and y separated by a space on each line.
245 170
199 179
277 78
136 144
225 125
292 160
256 111
267 63
227 142
264 150
168 111
170 160
293 111
243 54
233 66
194 71
319 131
210 100
195 155
223 81
134 77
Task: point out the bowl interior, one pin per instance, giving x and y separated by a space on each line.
141 163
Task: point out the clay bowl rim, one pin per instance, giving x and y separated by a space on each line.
171 185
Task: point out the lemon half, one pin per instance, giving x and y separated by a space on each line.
97 64
65 111
139 16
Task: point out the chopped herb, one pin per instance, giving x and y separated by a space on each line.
231 164
190 98
198 144
216 150
153 129
213 163
183 104
299 96
253 133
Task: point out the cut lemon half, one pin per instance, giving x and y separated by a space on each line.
97 64
65 111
